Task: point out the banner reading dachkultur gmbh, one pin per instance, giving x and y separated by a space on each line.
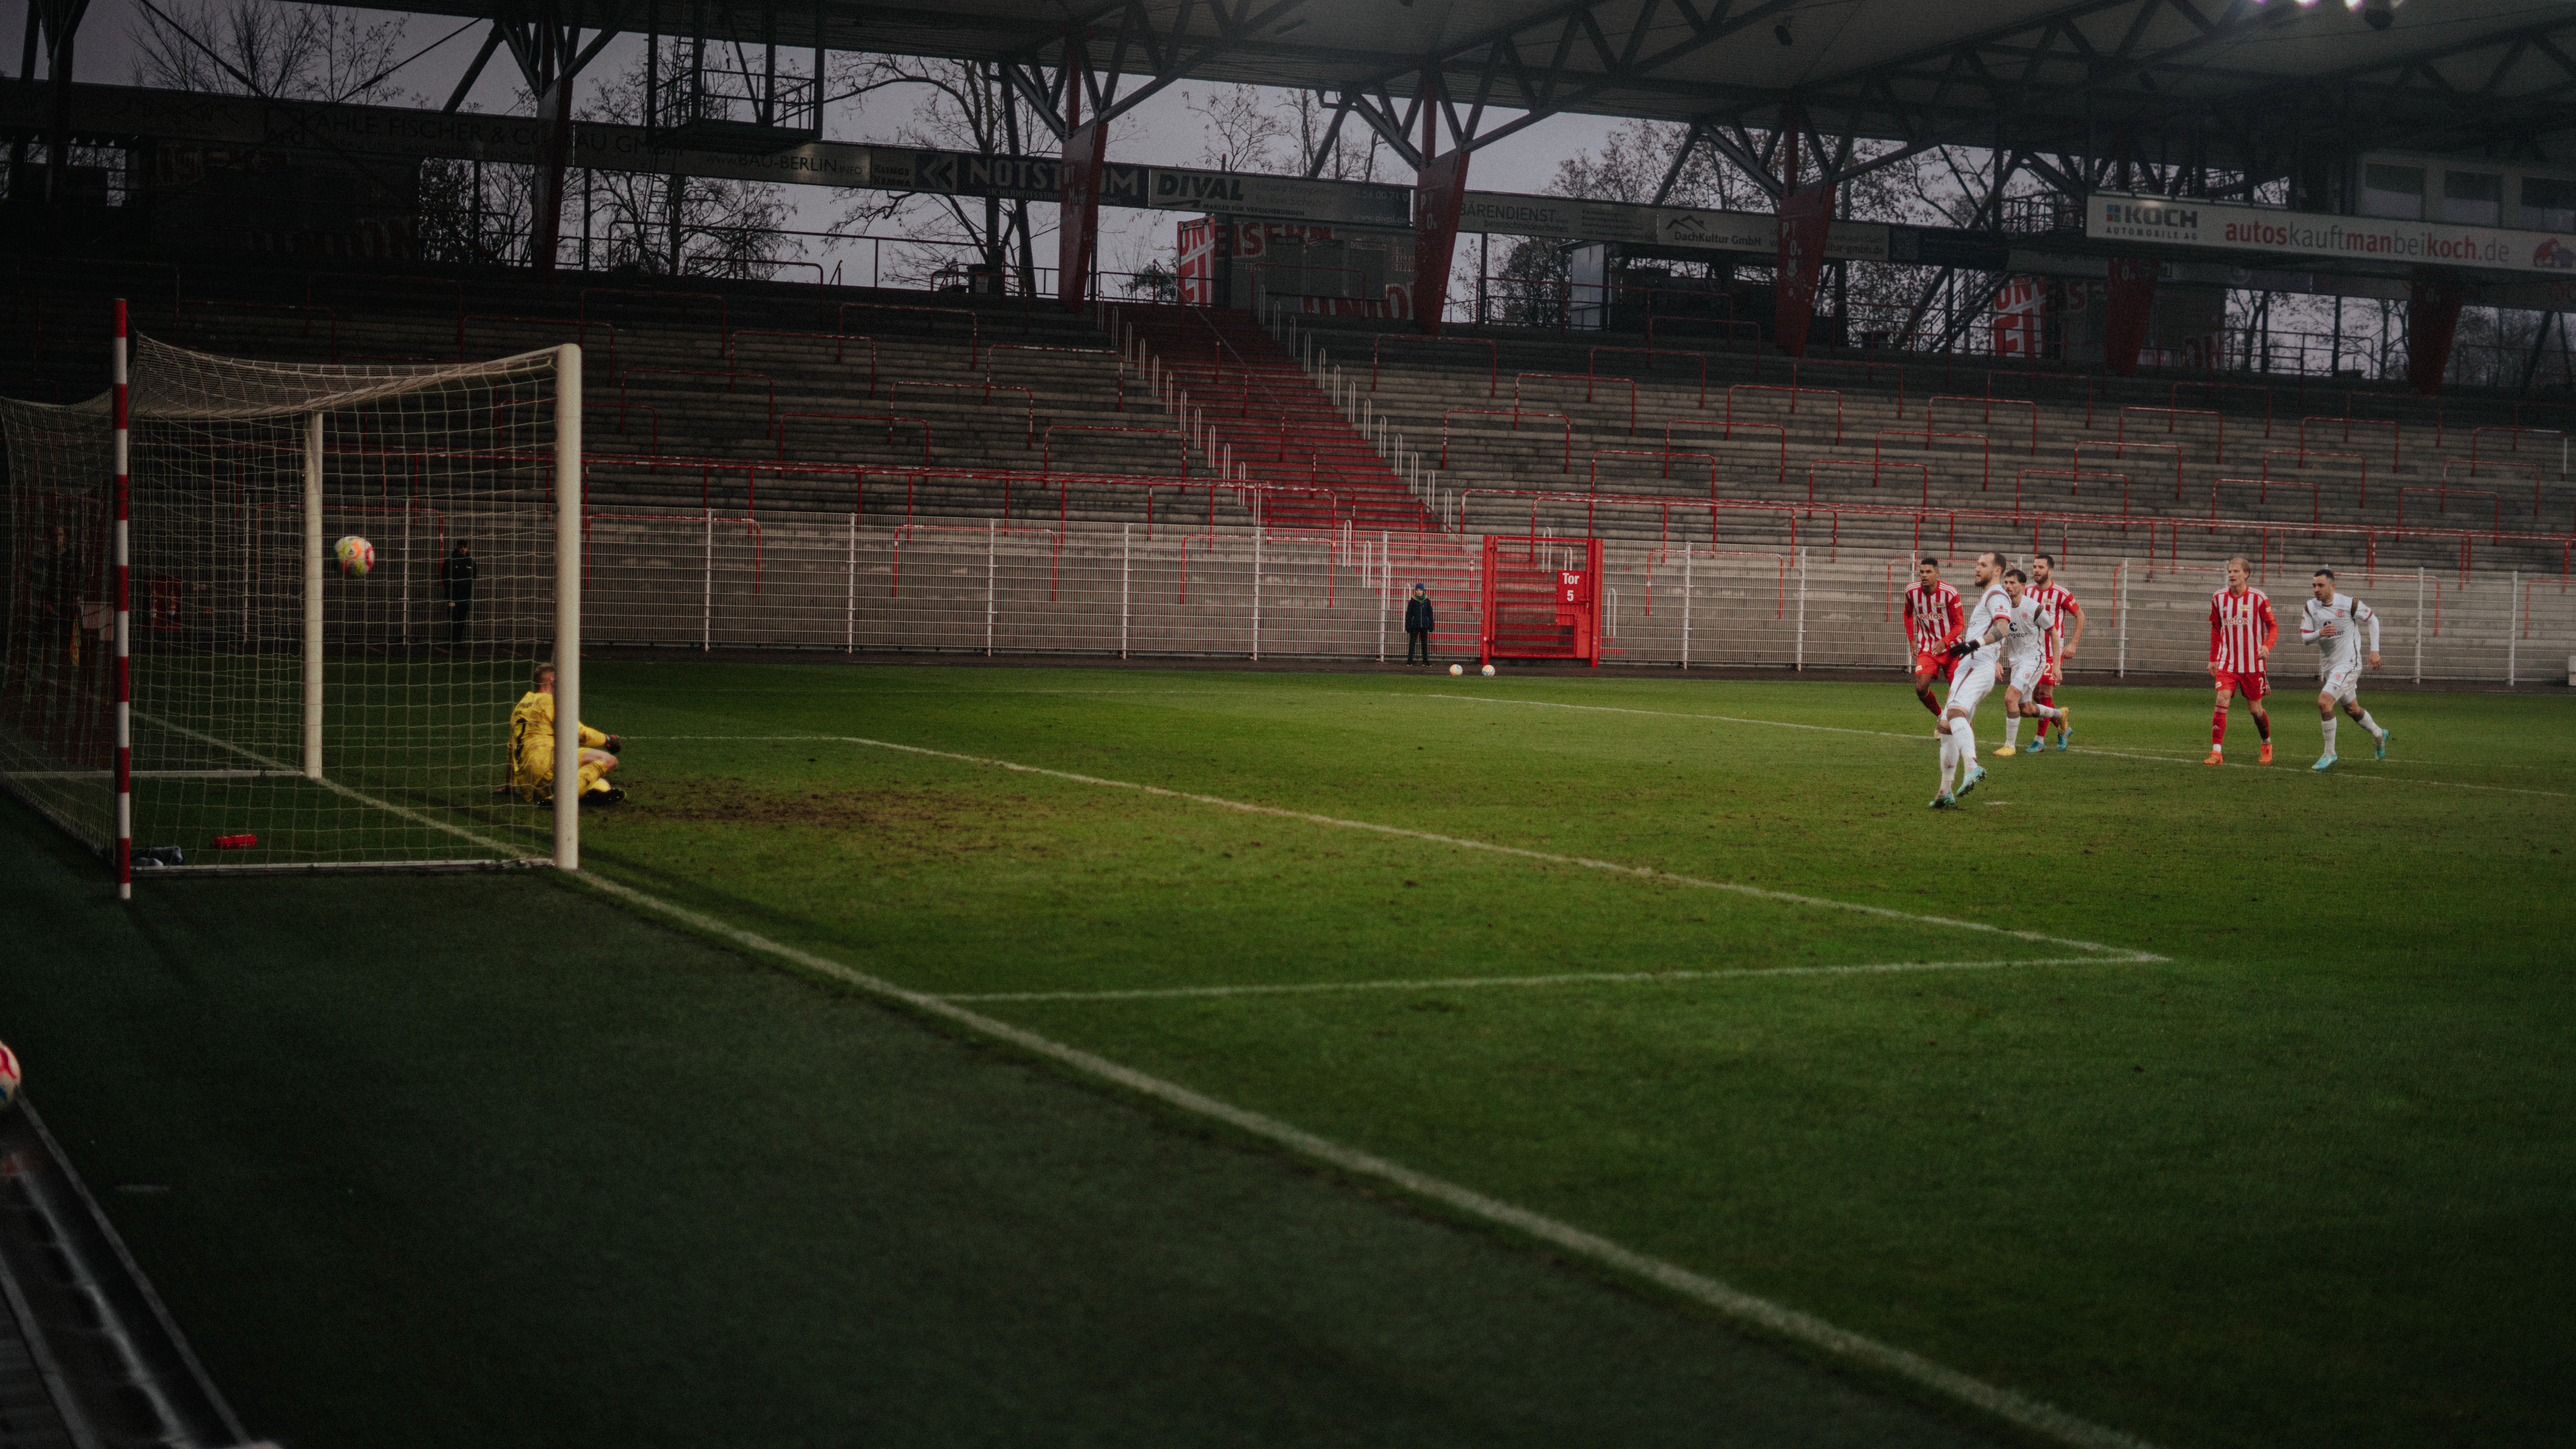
2234 226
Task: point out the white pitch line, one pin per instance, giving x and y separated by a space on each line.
1777 724
1574 978
1891 735
1643 872
2028 1413
1790 1323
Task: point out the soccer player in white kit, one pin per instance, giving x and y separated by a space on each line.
1979 647
2333 622
2025 665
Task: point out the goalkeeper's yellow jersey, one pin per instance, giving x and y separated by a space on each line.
532 739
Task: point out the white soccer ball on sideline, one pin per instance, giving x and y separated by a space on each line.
356 556
1456 669
10 1076
1489 671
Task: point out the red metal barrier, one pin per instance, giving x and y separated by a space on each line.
2442 502
1869 371
1781 428
840 347
1587 380
1988 403
2473 465
2076 488
2304 454
1985 448
2085 378
2265 485
2173 416
2175 398
1516 414
993 354
1592 361
986 388
1493 357
2476 434
1794 392
2396 435
1874 466
2119 447
1046 459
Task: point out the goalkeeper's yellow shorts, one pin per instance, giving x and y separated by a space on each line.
535 775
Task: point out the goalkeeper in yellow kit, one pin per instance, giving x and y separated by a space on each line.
532 748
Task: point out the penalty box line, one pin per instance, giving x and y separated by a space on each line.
2033 1415
1612 867
1571 978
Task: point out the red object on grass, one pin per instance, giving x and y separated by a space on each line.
235 842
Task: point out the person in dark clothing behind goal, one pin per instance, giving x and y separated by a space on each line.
456 573
1417 625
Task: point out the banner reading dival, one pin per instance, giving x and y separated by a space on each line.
2234 226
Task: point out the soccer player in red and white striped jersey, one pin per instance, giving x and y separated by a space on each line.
2057 604
1933 618
2241 634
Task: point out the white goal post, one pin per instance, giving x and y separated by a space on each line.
192 683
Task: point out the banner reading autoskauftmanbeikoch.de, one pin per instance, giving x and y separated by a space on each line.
2234 226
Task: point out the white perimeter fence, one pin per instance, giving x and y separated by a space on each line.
975 585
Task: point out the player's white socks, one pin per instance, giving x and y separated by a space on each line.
1949 758
2329 723
2371 725
2044 711
1967 744
2012 731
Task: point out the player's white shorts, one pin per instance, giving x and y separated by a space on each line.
2343 681
2027 673
1975 678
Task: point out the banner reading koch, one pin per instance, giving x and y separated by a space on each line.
2234 226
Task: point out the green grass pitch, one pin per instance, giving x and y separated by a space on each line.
2217 1106
2304 1180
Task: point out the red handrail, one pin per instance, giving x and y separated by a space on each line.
2304 454
1988 403
2396 435
1587 380
1793 391
1516 414
1985 446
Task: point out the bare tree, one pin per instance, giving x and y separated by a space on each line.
676 225
961 106
1355 150
283 50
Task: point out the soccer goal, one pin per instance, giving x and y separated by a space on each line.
194 683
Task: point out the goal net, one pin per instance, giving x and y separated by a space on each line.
231 698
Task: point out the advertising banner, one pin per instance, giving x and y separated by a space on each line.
1435 237
2235 226
2132 286
1662 226
1078 227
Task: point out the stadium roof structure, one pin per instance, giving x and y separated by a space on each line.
2241 86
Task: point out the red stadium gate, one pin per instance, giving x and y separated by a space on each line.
1542 599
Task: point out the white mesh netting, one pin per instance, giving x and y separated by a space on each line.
422 657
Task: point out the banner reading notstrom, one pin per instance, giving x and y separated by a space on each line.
2233 226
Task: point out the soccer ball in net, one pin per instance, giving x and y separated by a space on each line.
1489 671
10 1076
356 556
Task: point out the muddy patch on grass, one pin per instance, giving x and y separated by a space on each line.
917 820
